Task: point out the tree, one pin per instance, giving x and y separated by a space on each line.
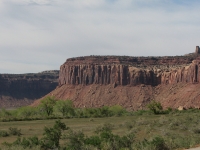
117 110
65 107
156 107
52 136
26 111
47 105
4 112
76 140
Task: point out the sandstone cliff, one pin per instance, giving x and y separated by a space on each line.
22 89
132 82
132 71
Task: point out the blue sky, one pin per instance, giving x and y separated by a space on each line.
37 35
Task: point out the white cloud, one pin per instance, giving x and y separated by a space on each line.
27 2
41 2
21 67
46 32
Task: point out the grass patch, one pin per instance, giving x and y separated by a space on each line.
169 131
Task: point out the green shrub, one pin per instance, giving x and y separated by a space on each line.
25 143
3 134
106 127
196 131
140 112
159 144
129 125
91 112
76 140
31 142
79 113
66 108
53 135
117 110
14 131
155 107
50 140
5 113
26 112
51 108
142 121
47 105
93 140
34 141
127 140
175 123
183 142
6 144
105 111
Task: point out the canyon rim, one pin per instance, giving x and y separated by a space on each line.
132 82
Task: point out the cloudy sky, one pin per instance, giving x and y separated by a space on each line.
38 35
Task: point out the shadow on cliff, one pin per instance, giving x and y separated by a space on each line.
17 88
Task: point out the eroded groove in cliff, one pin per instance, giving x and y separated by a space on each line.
196 73
128 70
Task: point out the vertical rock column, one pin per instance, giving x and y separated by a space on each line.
189 74
94 74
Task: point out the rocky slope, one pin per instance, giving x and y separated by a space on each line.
94 81
131 97
22 89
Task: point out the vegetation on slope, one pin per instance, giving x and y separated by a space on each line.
143 129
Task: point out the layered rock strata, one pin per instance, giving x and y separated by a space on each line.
95 81
22 89
132 71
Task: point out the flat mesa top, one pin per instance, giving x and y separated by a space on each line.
130 60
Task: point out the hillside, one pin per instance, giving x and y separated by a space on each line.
22 89
94 81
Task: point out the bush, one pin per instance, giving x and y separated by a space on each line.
127 140
53 135
14 131
76 140
105 111
47 105
93 140
196 131
3 134
27 112
106 127
159 144
140 112
155 107
117 110
34 141
50 140
24 142
91 112
5 113
51 108
65 107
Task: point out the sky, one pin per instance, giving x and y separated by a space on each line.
38 35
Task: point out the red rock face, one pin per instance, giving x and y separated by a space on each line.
187 74
128 70
130 81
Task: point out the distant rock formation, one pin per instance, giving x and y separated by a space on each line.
22 89
124 70
197 50
95 81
